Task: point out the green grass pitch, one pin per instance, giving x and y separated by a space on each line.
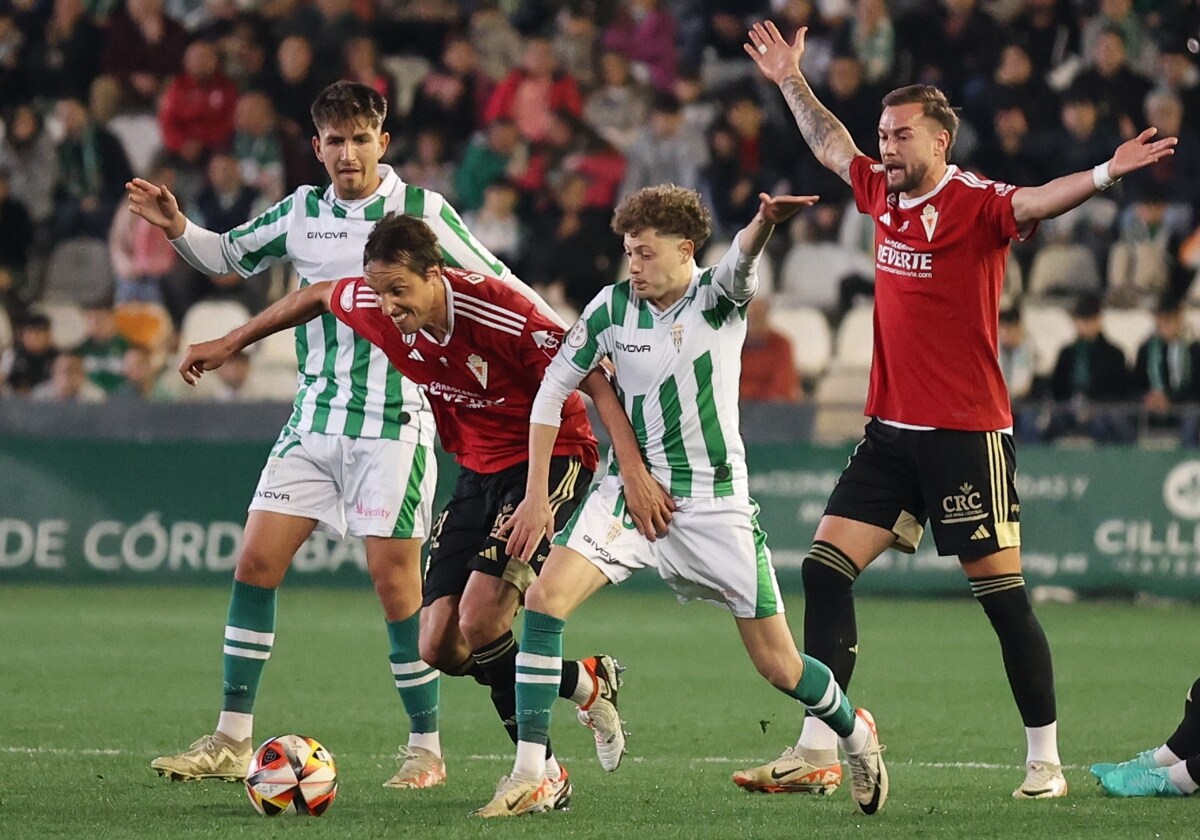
94 683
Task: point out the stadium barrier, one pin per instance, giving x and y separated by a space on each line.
1096 522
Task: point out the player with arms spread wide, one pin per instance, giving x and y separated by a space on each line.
477 347
354 457
939 443
674 333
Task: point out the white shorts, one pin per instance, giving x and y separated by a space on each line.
364 487
713 550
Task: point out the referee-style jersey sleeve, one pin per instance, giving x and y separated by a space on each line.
261 242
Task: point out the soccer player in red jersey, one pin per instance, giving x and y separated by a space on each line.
477 347
939 442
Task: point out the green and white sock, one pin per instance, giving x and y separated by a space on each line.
539 672
416 682
819 694
249 636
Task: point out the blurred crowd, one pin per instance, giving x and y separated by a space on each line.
535 116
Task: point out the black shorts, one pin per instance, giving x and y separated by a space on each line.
464 534
964 482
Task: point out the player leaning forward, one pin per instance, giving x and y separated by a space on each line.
355 456
939 443
674 333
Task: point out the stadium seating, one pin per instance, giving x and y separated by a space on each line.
68 325
855 339
6 330
1127 328
812 340
812 273
140 137
147 324
1051 329
840 397
1063 269
210 319
79 272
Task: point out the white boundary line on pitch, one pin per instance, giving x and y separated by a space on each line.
636 759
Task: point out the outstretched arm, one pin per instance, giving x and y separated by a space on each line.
1032 204
779 61
291 310
737 273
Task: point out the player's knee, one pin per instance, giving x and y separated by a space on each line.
827 571
444 655
258 567
481 624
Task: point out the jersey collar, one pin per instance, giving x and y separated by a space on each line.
672 311
388 181
909 203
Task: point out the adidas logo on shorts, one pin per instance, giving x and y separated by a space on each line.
981 533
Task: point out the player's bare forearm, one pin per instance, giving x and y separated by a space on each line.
822 131
612 415
291 310
541 450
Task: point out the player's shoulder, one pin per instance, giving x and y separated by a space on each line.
489 301
967 185
352 294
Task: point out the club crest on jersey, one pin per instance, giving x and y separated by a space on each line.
479 367
677 336
614 531
929 218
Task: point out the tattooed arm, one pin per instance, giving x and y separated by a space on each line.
779 61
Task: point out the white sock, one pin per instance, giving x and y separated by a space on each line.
816 736
1181 778
553 769
236 726
857 741
531 761
1042 743
583 688
427 741
1163 757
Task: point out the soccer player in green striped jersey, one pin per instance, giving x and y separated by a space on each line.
674 333
355 456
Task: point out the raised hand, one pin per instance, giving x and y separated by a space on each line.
1139 152
778 209
156 205
775 57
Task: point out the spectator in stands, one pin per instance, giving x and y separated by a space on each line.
1090 378
103 351
68 382
1018 363
1139 262
1080 140
618 108
327 25
1014 84
142 259
232 378
498 44
1011 154
258 146
12 69
1166 375
768 365
143 48
92 171
954 45
1117 88
428 165
535 90
362 65
1177 71
1176 179
644 32
16 286
497 225
489 157
27 363
663 154
870 36
294 83
1118 16
698 111
63 62
226 201
574 253
244 48
143 376
1050 29
857 106
576 38
28 154
452 96
196 115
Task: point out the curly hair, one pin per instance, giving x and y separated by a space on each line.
667 209
407 240
348 102
934 105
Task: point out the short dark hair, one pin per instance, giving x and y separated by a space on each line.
404 239
934 105
1087 306
1010 315
668 209
349 101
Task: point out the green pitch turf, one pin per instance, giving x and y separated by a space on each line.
95 683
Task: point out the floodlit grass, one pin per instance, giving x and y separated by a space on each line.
96 682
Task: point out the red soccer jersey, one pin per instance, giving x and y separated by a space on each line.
939 268
481 382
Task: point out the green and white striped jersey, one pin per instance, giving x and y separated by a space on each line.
677 374
345 384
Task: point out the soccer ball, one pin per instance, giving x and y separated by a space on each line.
291 774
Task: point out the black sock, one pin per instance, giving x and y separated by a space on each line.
1193 768
1022 643
498 662
570 679
830 629
1185 741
